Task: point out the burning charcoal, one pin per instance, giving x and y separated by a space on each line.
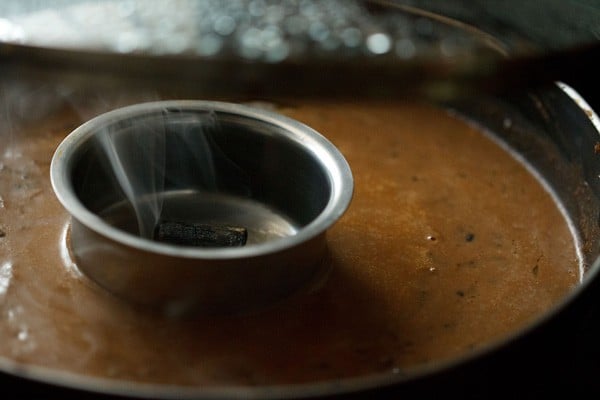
200 235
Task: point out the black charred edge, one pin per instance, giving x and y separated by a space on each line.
200 235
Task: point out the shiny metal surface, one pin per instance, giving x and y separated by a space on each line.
378 48
243 166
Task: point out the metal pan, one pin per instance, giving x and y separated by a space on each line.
552 127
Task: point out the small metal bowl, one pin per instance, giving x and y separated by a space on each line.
123 172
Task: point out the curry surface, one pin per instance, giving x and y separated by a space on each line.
449 245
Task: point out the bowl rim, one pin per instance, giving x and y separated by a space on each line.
335 166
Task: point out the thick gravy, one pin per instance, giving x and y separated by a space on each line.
449 245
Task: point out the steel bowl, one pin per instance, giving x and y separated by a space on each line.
196 162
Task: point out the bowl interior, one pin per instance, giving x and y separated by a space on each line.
200 166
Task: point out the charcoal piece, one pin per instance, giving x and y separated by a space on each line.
200 235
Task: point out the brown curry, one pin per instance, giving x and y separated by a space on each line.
449 245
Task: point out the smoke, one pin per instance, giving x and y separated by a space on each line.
156 154
138 164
